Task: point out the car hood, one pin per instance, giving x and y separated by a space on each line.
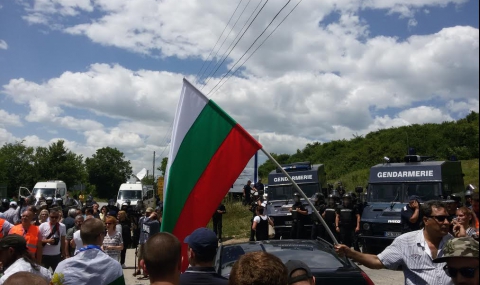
382 211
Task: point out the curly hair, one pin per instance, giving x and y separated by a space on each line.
258 268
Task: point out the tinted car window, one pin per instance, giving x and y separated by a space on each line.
311 253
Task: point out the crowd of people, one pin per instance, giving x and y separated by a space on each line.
70 245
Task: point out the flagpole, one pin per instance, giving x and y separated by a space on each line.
303 195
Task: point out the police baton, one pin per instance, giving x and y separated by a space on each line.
304 196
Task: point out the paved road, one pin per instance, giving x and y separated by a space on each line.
379 277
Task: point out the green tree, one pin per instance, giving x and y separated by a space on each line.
163 166
16 167
107 169
56 162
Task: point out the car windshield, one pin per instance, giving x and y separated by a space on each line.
46 192
284 192
129 194
426 191
400 192
311 253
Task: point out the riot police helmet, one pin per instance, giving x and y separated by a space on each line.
49 200
455 197
471 187
59 201
5 203
347 199
468 193
111 202
353 195
296 197
89 198
319 197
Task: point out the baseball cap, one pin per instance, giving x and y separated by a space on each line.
15 241
459 247
202 241
149 210
414 197
13 203
294 265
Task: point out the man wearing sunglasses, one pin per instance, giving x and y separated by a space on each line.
461 255
416 250
53 240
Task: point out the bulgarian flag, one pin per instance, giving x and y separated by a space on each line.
208 151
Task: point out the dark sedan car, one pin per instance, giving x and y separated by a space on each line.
320 256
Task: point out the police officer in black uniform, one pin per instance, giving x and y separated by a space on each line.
259 187
247 193
217 219
329 216
317 227
298 213
468 198
347 220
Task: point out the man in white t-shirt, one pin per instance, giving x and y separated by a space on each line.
53 240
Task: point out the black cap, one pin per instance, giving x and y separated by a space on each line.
294 265
13 240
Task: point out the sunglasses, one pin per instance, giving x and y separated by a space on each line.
467 272
441 219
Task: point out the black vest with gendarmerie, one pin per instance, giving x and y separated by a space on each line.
347 216
330 216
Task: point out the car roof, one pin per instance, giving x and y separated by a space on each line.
317 253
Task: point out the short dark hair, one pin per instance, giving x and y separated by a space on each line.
427 207
259 268
161 254
90 231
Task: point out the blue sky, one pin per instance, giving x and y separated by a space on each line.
102 73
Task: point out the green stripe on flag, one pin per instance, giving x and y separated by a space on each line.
119 281
196 150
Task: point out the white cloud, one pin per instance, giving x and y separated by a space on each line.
3 44
424 114
311 81
6 136
7 119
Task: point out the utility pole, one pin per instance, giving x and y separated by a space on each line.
153 172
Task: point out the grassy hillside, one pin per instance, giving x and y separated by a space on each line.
360 177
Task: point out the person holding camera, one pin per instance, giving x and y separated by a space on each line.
410 215
53 240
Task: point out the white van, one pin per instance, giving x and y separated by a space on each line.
129 191
135 192
51 188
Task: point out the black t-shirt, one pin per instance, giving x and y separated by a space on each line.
217 216
407 213
248 191
202 275
347 220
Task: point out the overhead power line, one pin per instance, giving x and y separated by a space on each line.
233 73
223 60
211 51
261 34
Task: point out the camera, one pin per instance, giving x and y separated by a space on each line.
56 240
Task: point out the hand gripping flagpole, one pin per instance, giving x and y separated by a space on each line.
304 196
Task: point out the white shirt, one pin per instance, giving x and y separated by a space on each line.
45 230
257 218
412 252
78 241
22 265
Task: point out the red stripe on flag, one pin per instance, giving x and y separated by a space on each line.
217 179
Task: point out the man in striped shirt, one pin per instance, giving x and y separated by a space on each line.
414 251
